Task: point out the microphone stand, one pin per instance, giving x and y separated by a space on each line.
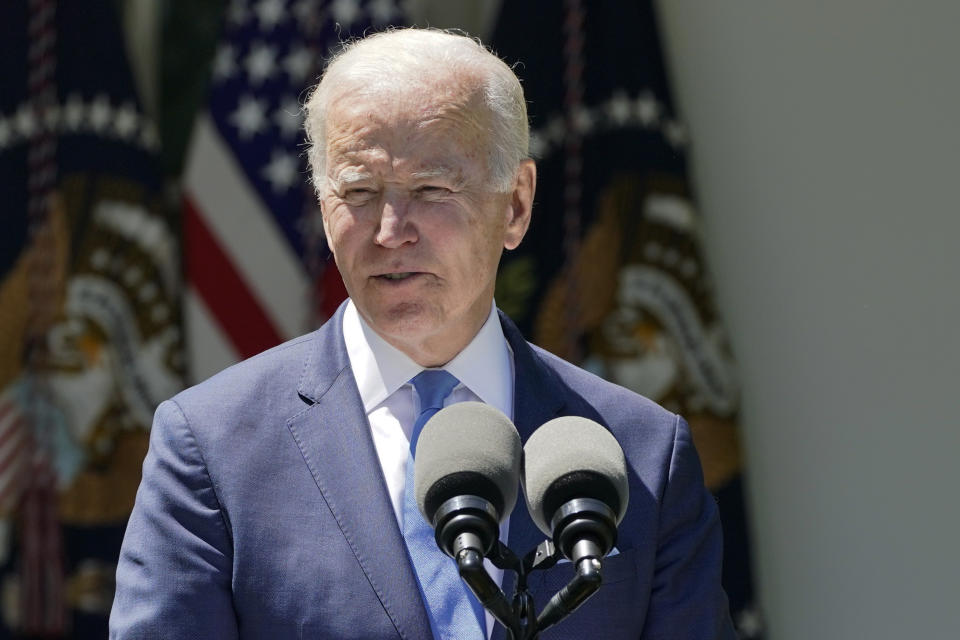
465 528
519 618
490 595
589 576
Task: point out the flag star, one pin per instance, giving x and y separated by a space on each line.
270 13
619 108
288 117
298 63
6 133
25 121
281 171
647 109
100 113
126 121
345 11
225 62
675 133
583 120
250 117
382 11
260 62
73 112
556 129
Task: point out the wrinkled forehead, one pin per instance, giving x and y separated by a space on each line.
444 94
439 117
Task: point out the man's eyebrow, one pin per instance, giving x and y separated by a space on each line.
348 177
440 172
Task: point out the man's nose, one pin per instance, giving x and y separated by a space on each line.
396 228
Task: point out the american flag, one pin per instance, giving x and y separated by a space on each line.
256 266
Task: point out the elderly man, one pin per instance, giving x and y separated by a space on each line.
274 500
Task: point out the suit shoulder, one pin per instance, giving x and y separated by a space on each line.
271 373
618 406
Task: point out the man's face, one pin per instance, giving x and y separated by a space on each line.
412 219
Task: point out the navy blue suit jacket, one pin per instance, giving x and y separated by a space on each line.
263 512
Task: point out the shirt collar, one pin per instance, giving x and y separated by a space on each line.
484 366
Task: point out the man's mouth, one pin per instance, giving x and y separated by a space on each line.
398 276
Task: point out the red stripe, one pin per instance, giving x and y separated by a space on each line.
12 489
331 290
14 453
10 428
211 272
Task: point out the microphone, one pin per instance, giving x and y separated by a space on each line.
467 459
466 476
575 483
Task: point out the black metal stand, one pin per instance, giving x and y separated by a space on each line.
584 531
519 618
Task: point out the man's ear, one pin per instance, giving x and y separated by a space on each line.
521 204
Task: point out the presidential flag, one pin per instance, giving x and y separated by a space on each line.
611 274
257 268
89 311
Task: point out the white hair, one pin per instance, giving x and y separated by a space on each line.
410 58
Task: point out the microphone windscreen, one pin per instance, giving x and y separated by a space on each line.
573 457
468 448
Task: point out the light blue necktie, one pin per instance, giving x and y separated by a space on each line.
454 612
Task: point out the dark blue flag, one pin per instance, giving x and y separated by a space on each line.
611 274
89 332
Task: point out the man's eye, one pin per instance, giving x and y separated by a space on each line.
432 189
358 194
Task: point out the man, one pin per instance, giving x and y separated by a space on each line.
273 496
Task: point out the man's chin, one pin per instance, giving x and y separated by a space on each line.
404 321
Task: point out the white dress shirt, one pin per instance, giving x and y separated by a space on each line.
383 373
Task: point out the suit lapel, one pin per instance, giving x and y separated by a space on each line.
334 437
538 396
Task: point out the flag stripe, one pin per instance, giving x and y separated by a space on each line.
246 177
14 441
210 349
225 292
12 467
234 213
9 418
